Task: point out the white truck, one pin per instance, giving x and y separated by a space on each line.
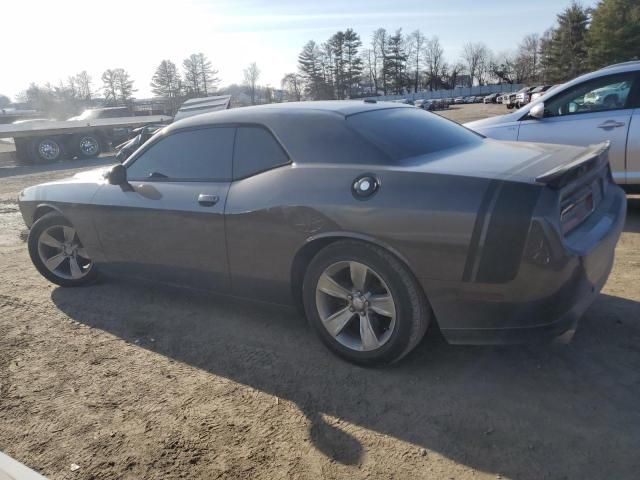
84 136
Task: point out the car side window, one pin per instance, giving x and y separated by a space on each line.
256 150
204 154
602 94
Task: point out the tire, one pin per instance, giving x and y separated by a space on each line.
43 249
397 327
47 150
87 145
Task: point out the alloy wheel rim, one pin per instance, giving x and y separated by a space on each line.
89 146
62 253
49 150
355 306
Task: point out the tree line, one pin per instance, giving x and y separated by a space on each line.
581 40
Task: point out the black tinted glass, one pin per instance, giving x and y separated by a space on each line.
256 151
203 154
403 133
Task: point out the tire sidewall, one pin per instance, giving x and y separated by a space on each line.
44 222
35 148
78 149
368 255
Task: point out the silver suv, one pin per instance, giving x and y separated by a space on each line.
596 107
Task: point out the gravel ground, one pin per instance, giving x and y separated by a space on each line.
135 381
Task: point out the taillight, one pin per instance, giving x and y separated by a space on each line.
577 206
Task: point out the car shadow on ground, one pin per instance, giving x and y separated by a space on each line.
11 169
527 412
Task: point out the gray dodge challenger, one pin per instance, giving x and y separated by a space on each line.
377 219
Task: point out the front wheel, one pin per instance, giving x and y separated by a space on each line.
364 304
47 150
58 254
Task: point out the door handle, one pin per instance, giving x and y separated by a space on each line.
611 124
207 200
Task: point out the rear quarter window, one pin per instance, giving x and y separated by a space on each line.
256 150
404 133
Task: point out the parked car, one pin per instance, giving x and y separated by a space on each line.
137 138
469 99
401 220
458 100
524 96
510 99
578 113
478 99
491 98
539 91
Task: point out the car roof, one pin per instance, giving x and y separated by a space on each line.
262 113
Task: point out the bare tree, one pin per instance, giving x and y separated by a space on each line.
379 47
207 74
292 84
434 59
251 75
191 69
528 53
415 45
474 54
124 85
83 85
109 86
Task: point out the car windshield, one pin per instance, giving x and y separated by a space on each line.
405 133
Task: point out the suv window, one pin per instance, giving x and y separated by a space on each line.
190 155
256 150
601 94
403 133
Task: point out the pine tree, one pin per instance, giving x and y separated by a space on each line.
353 62
396 62
567 48
614 34
166 83
310 65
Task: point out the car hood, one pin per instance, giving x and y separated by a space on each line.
515 161
478 125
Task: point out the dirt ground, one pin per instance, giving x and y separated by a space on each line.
137 381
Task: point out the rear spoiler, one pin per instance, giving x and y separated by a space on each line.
590 159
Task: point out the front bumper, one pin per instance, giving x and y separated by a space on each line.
543 301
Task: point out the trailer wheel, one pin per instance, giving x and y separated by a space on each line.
47 150
87 145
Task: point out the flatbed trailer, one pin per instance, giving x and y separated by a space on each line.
49 141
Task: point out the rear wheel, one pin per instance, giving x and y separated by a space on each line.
87 145
364 304
57 252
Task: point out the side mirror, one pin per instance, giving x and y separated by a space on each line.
117 175
537 111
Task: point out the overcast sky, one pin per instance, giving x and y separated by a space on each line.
45 40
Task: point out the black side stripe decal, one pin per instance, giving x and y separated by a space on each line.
477 229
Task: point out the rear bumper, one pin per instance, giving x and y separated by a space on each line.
543 301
